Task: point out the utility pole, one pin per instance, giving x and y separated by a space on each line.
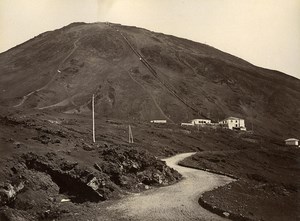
130 136
93 116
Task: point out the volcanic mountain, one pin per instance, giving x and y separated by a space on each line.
137 74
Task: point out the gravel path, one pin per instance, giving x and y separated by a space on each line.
175 202
52 79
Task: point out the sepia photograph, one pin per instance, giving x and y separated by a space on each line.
149 110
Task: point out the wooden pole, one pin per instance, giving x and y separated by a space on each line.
93 115
130 136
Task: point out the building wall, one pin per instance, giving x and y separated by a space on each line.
187 124
158 121
292 142
234 123
201 121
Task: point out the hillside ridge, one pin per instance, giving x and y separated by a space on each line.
138 74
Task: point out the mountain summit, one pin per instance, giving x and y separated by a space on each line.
137 74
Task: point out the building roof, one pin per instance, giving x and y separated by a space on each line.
232 118
201 119
292 139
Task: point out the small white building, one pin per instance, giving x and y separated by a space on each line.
292 142
233 123
200 121
187 124
159 121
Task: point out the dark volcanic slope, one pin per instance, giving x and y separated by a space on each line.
176 79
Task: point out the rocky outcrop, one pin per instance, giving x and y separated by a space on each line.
78 181
133 169
38 183
8 192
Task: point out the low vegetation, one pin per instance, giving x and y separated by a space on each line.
268 181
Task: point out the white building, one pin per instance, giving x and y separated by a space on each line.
292 142
159 121
233 123
200 121
187 124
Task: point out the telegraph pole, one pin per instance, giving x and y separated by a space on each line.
130 137
93 116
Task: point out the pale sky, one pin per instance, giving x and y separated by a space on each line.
264 32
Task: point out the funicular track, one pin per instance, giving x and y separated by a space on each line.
165 83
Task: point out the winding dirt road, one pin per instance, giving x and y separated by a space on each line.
175 202
52 79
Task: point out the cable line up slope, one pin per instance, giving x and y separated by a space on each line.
166 84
